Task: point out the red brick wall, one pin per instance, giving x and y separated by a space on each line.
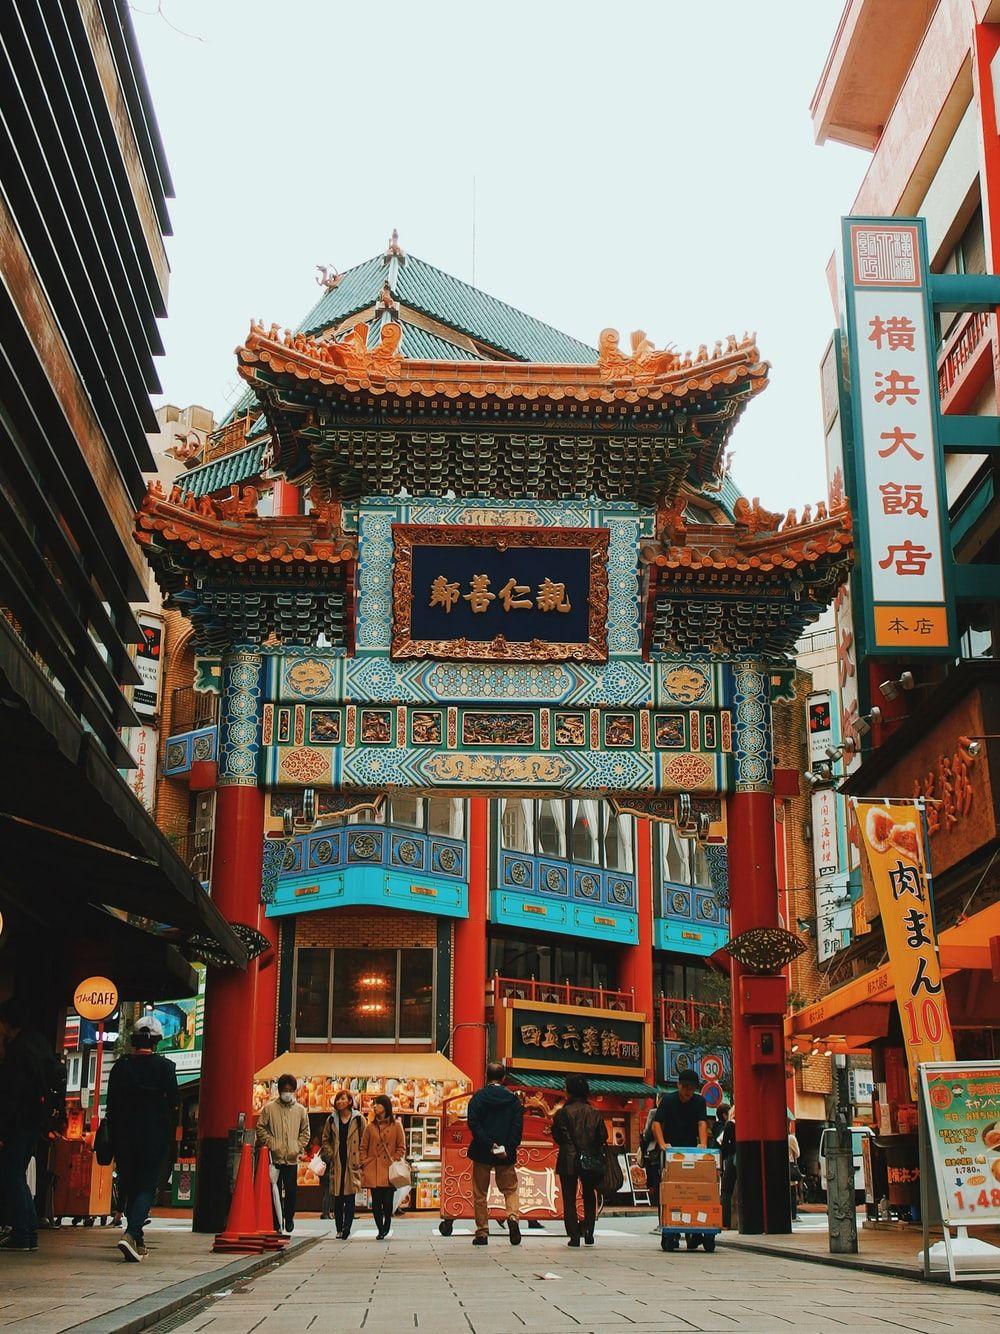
366 929
173 799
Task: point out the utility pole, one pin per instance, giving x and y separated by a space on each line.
842 1215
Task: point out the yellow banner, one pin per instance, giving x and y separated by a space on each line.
891 837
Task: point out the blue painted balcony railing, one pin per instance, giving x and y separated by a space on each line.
184 748
689 920
374 865
550 894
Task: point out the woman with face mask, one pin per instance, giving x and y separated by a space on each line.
283 1127
341 1149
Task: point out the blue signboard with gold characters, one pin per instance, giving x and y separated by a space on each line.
500 593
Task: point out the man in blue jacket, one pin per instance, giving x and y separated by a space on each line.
496 1119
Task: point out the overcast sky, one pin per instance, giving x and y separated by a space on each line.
640 165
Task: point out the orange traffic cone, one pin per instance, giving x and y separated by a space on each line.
241 1228
263 1203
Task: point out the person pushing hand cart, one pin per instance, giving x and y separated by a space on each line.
681 1122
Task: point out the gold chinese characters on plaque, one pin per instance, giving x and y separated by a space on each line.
528 594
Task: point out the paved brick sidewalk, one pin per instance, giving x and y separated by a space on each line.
419 1280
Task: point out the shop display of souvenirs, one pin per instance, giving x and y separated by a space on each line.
316 1093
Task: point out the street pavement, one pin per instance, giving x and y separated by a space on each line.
420 1280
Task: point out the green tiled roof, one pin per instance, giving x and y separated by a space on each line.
629 1088
419 343
447 299
230 470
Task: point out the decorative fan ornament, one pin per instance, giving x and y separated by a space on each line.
208 950
765 949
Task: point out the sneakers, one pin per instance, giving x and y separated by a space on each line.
588 1238
573 1241
12 1244
131 1250
477 1240
514 1228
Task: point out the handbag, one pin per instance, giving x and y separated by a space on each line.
399 1173
614 1177
591 1166
317 1165
103 1149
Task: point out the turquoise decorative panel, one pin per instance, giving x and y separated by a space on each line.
563 916
673 1057
185 748
685 937
372 886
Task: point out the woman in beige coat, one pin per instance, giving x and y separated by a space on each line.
382 1143
341 1151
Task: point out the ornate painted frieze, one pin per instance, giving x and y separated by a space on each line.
240 719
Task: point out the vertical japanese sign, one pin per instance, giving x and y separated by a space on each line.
900 506
146 695
892 844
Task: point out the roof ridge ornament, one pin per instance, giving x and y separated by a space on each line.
328 277
394 250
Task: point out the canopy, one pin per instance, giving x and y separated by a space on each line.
362 1064
627 1088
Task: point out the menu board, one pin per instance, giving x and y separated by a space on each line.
962 1108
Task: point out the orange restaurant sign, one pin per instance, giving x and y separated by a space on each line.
891 836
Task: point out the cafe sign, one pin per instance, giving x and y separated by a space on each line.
572 1039
528 594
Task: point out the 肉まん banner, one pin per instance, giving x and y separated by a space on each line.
962 1106
891 836
900 506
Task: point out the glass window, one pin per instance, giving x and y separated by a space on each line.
312 994
446 816
683 861
552 828
586 832
517 824
407 810
364 994
416 993
619 837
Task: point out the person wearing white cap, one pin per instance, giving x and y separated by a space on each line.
142 1099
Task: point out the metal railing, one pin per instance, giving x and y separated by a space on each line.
673 1013
194 847
562 993
959 349
190 709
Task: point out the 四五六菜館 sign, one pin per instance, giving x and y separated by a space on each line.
570 1038
898 498
531 594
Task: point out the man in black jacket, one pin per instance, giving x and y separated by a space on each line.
142 1099
28 1073
496 1119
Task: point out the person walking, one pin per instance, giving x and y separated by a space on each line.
681 1122
794 1173
142 1105
581 1134
382 1143
721 1117
28 1074
727 1162
341 1151
283 1129
496 1121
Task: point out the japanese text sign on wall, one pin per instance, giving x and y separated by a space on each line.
962 1107
892 844
500 593
570 1038
901 505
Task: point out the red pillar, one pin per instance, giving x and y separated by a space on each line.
287 499
636 969
229 1058
469 1010
759 1090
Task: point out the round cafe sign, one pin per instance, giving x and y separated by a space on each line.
95 998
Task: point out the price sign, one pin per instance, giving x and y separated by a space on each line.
95 998
962 1107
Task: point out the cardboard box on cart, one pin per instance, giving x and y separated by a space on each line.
689 1191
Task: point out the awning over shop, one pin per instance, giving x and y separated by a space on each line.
186 1078
71 825
626 1088
431 1065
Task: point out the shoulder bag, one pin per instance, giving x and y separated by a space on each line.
590 1165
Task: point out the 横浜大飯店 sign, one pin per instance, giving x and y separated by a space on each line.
531 594
898 497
